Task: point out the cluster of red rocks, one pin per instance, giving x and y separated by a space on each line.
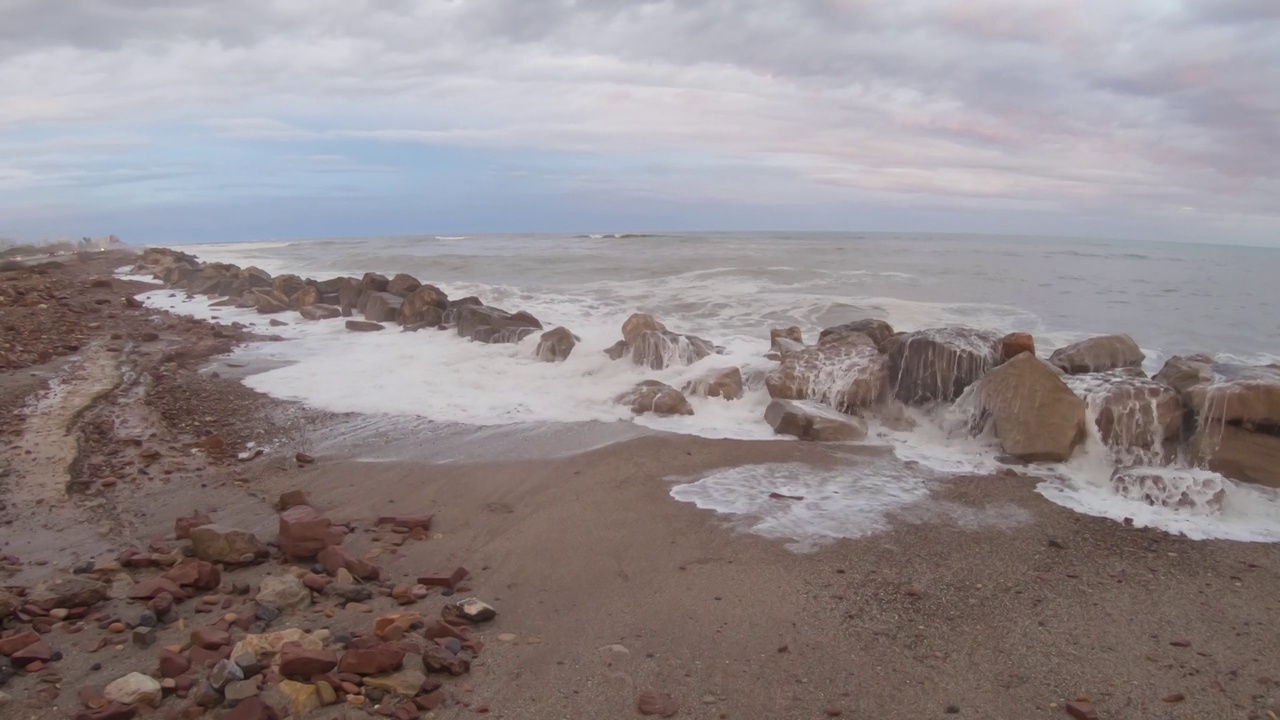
392 668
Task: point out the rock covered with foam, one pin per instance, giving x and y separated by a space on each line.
846 373
1130 410
1099 354
938 364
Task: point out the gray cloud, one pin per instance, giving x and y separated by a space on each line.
1148 107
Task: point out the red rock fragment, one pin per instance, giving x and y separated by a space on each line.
112 711
1180 643
299 663
371 661
449 580
254 708
161 604
29 656
655 703
210 638
304 459
408 523
442 629
13 643
153 587
1174 698
183 526
291 499
336 557
197 574
431 700
305 532
1082 710
173 664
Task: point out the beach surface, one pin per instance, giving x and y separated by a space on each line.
980 598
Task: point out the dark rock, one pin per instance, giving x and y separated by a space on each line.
371 661
655 703
363 326
382 307
299 663
876 330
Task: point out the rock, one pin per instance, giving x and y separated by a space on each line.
1032 412
877 331
36 652
447 656
318 311
659 350
173 664
1130 411
724 383
239 691
491 325
269 302
161 604
205 695
382 307
227 545
651 396
306 297
791 335
224 673
1014 344
937 365
210 638
425 305
256 277
110 711
303 459
408 522
655 703
1081 710
474 610
403 285
810 421
144 637
303 698
1237 453
267 645
555 345
303 532
11 644
300 663
199 574
639 323
363 326
374 282
328 695
1099 354
336 557
371 661
67 592
9 604
283 592
449 580
287 285
349 591
254 708
183 526
134 689
291 499
846 372
1219 393
455 308
393 626
1171 488
405 682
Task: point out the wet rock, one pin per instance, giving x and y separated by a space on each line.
659 350
638 324
67 592
938 364
1131 411
382 307
491 325
305 532
846 373
305 298
1099 354
364 326
183 526
651 702
256 278
1238 453
287 285
877 331
556 345
810 421
318 311
300 663
269 302
405 682
227 545
1014 344
785 338
652 396
426 305
336 557
371 661
1032 412
283 592
134 689
724 383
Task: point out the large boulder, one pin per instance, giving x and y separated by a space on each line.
639 323
374 282
424 306
877 330
320 312
287 285
270 301
218 543
788 338
724 383
1246 395
810 421
1130 411
845 372
1238 453
661 349
382 307
655 397
403 285
555 345
490 325
1030 410
936 365
455 307
256 277
67 592
349 293
1099 354
307 296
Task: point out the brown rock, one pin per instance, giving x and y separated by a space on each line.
1131 410
1081 710
409 522
1170 487
183 526
37 652
1238 453
424 306
847 373
305 298
269 302
291 499
1099 354
725 383
110 711
393 626
173 664
155 587
371 661
876 330
638 324
161 604
1014 344
210 638
556 345
13 643
451 580
9 604
319 311
382 307
652 396
305 532
363 326
67 592
218 543
1030 409
786 339
303 459
198 574
301 663
254 708
936 365
655 703
810 421
492 325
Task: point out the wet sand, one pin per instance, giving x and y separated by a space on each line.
983 601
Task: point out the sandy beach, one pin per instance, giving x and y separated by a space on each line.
983 600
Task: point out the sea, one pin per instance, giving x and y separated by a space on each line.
732 288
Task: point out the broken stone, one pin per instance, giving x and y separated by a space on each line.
406 682
449 581
300 663
173 664
134 689
197 574
474 610
408 523
36 654
1081 710
305 532
291 499
303 698
239 691
371 661
336 557
218 543
183 526
254 708
393 626
210 638
267 645
67 592
283 592
144 637
223 673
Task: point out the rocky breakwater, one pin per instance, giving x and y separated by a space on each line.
224 625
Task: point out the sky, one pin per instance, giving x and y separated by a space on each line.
223 120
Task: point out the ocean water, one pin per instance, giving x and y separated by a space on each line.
731 289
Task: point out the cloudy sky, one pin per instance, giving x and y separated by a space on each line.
174 120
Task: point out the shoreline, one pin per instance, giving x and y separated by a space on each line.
982 596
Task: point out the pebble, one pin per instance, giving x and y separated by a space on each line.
509 637
116 627
835 711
